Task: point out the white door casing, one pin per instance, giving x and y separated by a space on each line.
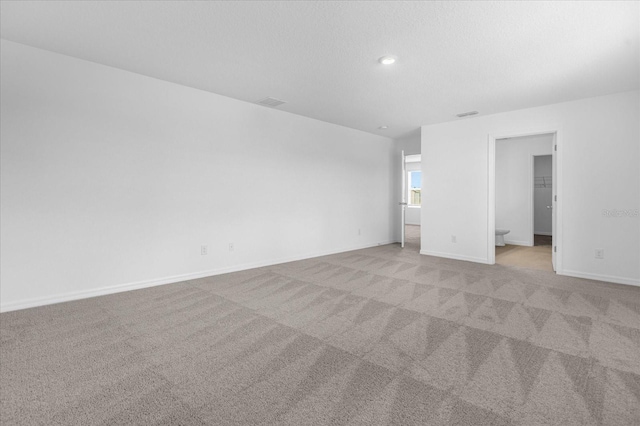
403 199
554 199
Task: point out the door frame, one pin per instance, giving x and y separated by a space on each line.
557 196
403 199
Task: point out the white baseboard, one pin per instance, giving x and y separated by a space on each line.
518 243
548 234
598 277
454 256
102 291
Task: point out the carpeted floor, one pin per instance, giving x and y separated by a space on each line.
375 336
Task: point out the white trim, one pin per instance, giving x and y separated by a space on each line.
598 277
518 243
118 288
558 178
532 213
453 256
491 201
403 200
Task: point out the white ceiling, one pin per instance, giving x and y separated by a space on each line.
321 57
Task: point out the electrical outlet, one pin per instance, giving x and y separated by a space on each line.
599 254
454 239
359 231
204 250
231 247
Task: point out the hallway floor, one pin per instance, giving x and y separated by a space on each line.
412 237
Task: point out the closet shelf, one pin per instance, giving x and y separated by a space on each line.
542 182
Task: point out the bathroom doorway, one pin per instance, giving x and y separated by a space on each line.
524 190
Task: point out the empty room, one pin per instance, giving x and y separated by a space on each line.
320 213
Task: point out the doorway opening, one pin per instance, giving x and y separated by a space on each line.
524 192
411 200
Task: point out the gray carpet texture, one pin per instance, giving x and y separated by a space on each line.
380 336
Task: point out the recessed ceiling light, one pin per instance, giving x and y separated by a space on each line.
387 60
466 114
383 127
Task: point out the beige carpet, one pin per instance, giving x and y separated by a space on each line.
376 336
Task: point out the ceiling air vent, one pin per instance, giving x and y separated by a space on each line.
466 114
271 102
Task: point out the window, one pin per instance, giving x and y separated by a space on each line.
415 186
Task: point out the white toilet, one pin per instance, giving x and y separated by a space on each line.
500 233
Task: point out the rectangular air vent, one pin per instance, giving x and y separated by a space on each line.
271 102
466 114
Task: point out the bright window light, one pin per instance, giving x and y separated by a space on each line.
415 187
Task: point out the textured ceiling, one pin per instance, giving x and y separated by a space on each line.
321 57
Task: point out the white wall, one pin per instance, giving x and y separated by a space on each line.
542 196
412 216
410 143
113 180
514 185
599 153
